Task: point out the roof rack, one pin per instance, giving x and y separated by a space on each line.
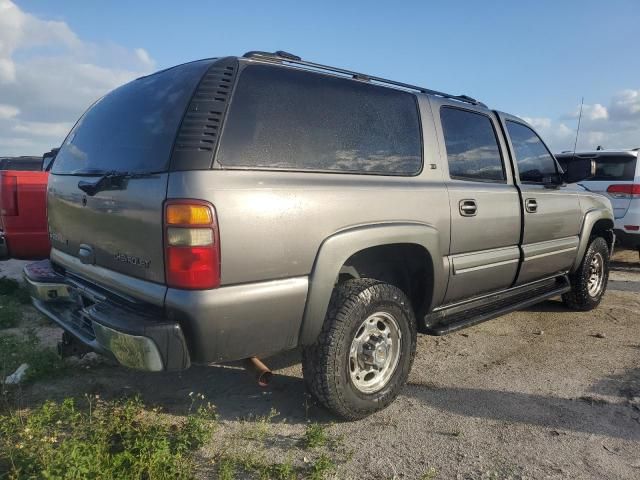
281 56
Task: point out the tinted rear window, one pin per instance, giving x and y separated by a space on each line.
133 127
297 120
615 168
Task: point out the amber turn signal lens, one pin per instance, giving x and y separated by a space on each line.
184 214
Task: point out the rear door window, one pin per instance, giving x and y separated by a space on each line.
133 127
472 147
282 118
535 162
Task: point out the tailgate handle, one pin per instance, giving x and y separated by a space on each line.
86 254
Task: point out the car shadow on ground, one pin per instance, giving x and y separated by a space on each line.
237 396
232 389
549 306
591 414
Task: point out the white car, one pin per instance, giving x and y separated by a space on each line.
618 177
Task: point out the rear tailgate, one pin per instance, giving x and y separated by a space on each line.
613 169
23 216
132 130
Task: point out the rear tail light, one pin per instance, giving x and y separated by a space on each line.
632 228
9 195
192 245
628 190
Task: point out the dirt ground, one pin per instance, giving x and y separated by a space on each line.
540 393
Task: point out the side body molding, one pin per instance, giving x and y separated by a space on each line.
337 249
590 219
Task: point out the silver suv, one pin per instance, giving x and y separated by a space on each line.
618 177
242 206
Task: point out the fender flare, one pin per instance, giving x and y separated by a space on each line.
336 250
590 219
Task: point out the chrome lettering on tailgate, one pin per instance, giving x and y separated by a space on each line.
136 261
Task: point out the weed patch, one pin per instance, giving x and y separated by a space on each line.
13 289
10 313
315 436
108 440
18 349
257 427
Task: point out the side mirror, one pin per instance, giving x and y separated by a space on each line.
578 169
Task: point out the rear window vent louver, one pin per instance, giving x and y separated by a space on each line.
201 126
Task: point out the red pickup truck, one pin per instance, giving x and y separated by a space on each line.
23 212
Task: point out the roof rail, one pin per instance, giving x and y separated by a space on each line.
281 56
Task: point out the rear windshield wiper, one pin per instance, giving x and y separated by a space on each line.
110 180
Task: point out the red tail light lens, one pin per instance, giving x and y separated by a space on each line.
9 195
624 190
192 245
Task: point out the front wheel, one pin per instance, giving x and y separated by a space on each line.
589 281
363 355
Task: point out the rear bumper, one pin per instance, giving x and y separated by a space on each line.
627 239
137 336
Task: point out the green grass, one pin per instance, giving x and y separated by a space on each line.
430 474
10 313
106 440
257 427
322 467
315 436
255 466
12 288
17 349
12 296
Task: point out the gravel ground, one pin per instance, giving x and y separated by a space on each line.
540 393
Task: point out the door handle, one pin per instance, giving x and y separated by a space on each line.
468 208
531 205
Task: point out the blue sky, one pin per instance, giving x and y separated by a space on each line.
531 58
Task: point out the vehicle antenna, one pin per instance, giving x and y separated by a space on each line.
578 129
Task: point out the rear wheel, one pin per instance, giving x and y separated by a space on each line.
589 281
362 357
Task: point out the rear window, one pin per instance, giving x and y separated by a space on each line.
297 120
133 127
615 168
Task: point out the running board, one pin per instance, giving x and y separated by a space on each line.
462 315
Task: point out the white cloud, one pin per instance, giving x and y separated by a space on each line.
614 126
595 112
626 105
43 129
8 111
49 76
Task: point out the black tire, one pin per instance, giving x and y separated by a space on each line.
580 297
326 363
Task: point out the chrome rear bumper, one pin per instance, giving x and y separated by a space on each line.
137 336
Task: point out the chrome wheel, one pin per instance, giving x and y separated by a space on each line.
596 275
375 352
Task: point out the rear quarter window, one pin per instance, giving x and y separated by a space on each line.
289 119
133 127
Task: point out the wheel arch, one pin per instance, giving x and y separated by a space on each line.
598 222
336 251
